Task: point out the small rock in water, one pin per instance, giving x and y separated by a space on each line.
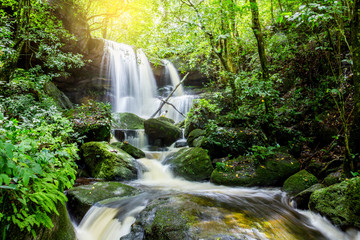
180 143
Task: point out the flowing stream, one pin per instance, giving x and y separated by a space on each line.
245 213
221 212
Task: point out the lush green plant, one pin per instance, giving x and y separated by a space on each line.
36 166
90 116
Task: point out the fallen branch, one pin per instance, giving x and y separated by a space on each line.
173 107
166 100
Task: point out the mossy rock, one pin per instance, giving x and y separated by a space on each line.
340 203
81 198
333 178
190 163
161 133
188 217
127 121
109 163
302 198
63 228
195 134
245 171
59 97
299 182
130 149
165 119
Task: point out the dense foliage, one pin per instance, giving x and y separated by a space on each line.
37 157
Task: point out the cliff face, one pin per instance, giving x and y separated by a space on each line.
85 83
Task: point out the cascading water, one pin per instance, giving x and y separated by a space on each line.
243 213
133 85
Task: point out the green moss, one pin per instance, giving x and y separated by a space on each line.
339 202
164 131
130 149
191 163
81 198
108 163
165 119
299 182
127 121
195 134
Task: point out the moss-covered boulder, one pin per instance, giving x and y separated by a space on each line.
245 171
299 182
127 121
340 203
194 135
59 97
302 199
161 133
188 217
130 149
333 178
81 198
109 163
165 119
63 228
190 163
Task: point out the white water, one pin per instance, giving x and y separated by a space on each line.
133 84
102 223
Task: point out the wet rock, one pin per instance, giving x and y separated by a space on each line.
190 163
81 198
333 178
127 121
185 217
244 171
130 149
161 133
299 182
340 203
180 143
302 198
109 163
195 134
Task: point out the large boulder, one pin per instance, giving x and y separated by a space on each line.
161 133
299 182
190 163
246 171
130 149
187 217
127 121
109 163
81 198
340 203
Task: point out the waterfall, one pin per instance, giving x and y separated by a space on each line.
172 74
133 85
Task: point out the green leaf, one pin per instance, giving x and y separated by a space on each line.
26 178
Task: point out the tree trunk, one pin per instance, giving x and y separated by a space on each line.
355 51
261 48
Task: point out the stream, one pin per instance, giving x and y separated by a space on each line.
228 212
